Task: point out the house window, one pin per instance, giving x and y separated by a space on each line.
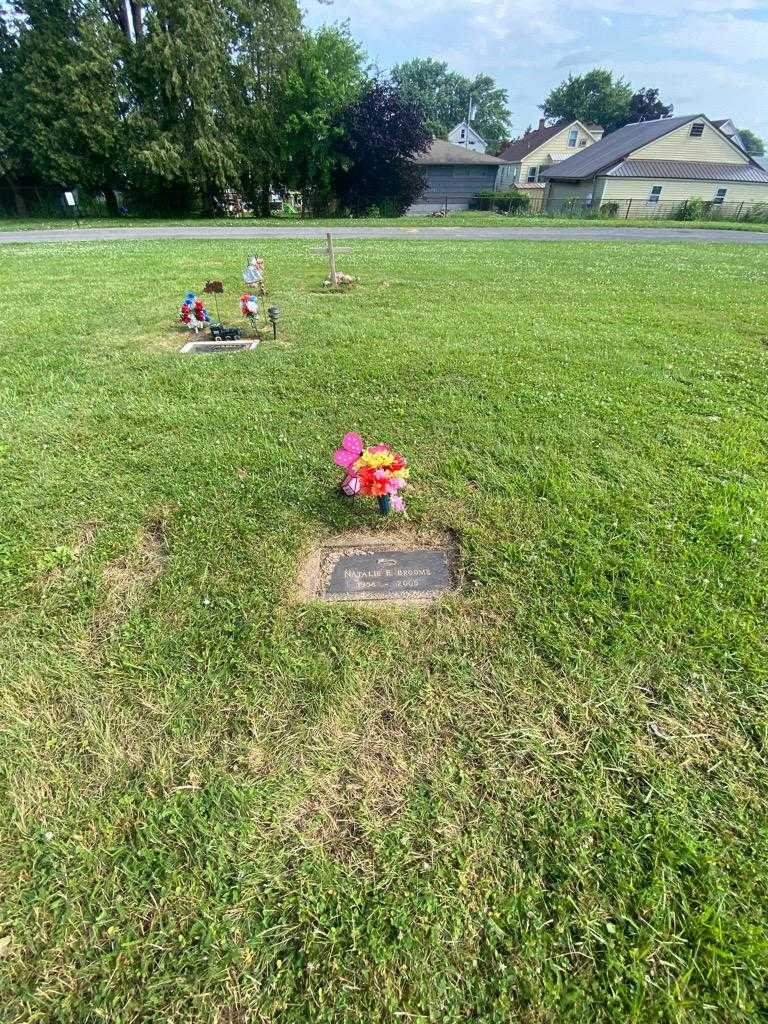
533 174
463 133
720 196
697 129
573 137
655 193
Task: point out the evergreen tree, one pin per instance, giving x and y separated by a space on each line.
267 34
13 166
67 107
181 125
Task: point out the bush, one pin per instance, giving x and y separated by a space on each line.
610 209
513 202
756 214
694 208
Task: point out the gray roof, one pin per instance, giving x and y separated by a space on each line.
614 147
691 170
442 152
761 161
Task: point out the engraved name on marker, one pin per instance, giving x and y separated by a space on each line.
377 574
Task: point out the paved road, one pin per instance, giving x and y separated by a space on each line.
463 234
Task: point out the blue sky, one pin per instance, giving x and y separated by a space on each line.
705 56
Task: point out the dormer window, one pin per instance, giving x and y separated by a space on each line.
697 129
573 137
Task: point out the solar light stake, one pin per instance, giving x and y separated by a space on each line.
274 315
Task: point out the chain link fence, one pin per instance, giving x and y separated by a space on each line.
39 202
626 209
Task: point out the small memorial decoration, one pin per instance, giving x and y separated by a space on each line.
249 307
253 275
377 471
215 288
193 313
341 281
221 333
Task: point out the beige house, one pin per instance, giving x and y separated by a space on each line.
657 162
539 149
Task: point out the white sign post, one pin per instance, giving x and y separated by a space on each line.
69 199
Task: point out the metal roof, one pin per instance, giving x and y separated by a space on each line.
614 147
442 152
692 170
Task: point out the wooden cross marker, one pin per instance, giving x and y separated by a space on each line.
331 258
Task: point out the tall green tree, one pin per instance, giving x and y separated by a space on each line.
12 158
754 144
67 103
185 98
267 35
444 95
595 96
326 76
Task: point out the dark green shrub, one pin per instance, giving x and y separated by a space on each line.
513 201
694 208
610 209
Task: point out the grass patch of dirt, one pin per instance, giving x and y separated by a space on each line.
357 776
126 579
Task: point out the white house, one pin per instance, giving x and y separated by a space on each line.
465 135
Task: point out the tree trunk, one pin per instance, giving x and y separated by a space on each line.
264 201
209 205
19 201
137 18
112 207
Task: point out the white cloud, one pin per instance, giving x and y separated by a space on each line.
738 39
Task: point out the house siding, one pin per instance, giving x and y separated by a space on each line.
471 138
673 190
678 144
460 183
539 157
560 192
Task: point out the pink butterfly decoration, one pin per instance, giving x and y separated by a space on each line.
351 485
350 451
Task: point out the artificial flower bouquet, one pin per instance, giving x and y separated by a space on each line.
193 313
377 471
249 306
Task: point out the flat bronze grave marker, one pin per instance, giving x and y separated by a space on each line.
206 347
384 573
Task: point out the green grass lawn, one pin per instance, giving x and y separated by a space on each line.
542 799
459 219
